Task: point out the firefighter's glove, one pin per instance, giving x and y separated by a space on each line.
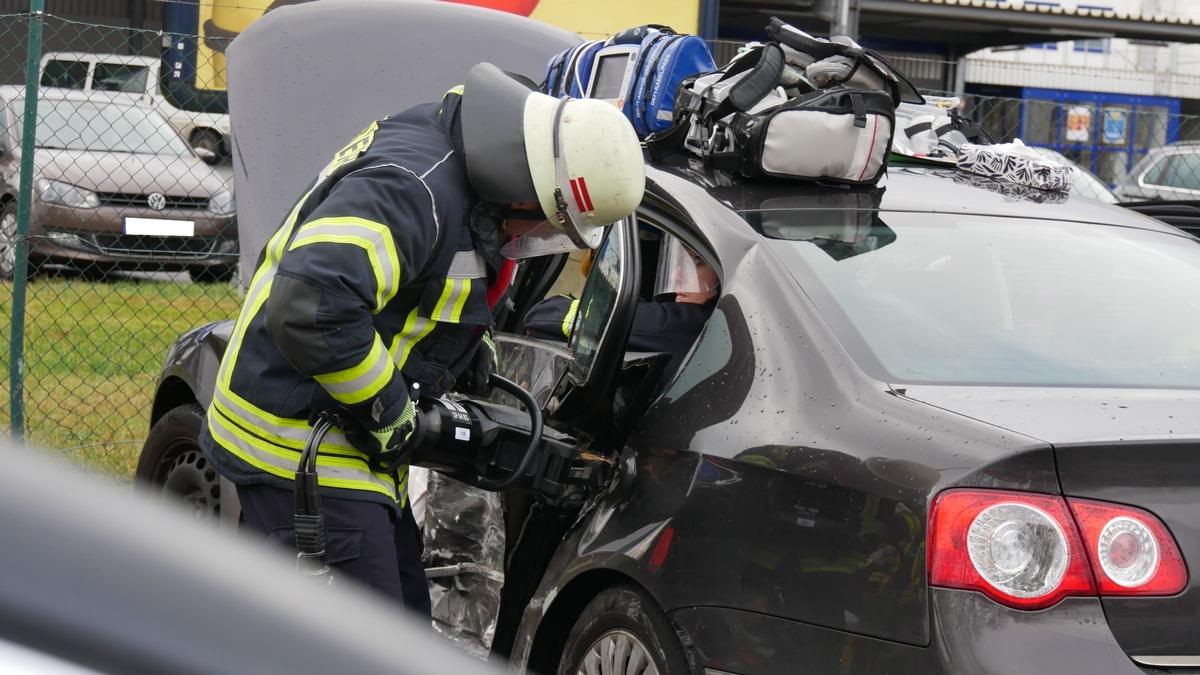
386 449
474 380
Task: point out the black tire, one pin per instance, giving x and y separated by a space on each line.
8 240
219 274
172 466
622 631
207 139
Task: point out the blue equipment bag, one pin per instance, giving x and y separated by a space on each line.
569 72
638 70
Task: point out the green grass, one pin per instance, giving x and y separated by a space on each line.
91 359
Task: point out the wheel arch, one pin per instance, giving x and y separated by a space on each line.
172 393
558 622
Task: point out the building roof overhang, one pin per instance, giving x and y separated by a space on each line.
963 26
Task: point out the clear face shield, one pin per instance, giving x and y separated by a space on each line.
567 229
683 273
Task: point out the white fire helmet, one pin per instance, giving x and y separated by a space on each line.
579 159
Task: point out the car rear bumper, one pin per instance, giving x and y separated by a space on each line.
970 634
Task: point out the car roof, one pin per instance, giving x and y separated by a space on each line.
918 188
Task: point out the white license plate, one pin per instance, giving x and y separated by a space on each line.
160 227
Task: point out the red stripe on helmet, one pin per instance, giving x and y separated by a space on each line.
582 199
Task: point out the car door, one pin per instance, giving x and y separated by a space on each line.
572 381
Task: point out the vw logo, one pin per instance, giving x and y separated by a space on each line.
157 201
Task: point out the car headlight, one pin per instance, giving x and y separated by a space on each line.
57 192
222 204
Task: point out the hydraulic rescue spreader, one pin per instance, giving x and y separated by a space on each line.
490 446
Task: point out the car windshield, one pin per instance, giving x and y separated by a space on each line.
968 299
101 126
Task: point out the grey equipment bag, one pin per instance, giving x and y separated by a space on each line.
744 120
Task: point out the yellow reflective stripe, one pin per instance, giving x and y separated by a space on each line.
281 431
569 319
456 90
454 296
260 285
334 471
414 329
372 237
362 381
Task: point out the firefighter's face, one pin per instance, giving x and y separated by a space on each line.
705 277
516 224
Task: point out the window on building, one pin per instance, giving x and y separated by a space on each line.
1097 46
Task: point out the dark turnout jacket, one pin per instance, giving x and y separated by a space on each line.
373 290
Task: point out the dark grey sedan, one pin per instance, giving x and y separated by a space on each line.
945 425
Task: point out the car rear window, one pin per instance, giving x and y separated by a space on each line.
967 299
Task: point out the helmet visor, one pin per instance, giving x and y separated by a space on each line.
549 238
682 270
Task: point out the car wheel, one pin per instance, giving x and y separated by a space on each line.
221 274
206 139
623 631
8 240
171 463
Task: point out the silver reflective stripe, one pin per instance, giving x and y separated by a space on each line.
380 247
335 471
414 329
279 434
467 265
362 381
449 307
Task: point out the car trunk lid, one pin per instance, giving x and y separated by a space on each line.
1124 446
1161 476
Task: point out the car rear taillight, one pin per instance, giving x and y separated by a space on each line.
1132 552
1024 550
1017 548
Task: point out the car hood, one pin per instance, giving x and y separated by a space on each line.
128 172
306 78
1070 415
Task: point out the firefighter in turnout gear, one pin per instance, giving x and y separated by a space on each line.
380 287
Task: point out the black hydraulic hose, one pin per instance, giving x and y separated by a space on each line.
535 434
310 518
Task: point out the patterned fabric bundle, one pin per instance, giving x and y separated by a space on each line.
1015 163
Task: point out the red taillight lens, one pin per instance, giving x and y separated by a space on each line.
1018 548
1132 552
1026 551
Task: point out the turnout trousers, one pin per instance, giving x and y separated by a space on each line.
368 541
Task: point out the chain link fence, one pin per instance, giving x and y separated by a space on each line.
121 198
118 227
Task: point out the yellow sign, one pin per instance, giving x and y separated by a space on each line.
222 20
599 19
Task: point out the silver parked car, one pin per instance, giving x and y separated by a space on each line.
1169 172
114 187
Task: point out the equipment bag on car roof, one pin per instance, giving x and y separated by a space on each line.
638 70
799 107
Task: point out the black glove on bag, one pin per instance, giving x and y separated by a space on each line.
474 380
386 449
